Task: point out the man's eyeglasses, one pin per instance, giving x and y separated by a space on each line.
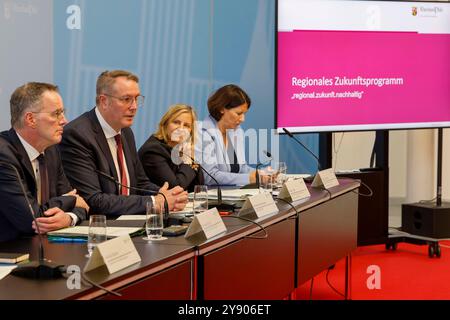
128 100
57 114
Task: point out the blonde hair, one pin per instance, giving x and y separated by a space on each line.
173 112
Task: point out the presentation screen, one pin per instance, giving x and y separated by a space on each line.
362 65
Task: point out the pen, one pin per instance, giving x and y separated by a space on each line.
63 240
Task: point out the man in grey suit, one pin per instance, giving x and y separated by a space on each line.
100 143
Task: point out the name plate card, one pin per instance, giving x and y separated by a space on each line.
209 222
325 178
116 254
261 204
294 190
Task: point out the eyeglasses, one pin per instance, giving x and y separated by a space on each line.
57 114
128 100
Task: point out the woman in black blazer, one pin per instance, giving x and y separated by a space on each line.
160 154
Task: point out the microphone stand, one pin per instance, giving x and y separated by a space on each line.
305 147
219 204
41 269
166 204
257 183
257 175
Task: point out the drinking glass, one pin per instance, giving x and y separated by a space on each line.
200 199
97 232
154 222
266 180
281 171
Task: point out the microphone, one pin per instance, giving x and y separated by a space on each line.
41 269
221 206
305 147
256 184
269 155
153 192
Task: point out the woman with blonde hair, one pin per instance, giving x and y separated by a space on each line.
167 154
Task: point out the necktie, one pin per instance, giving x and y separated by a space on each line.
44 178
120 160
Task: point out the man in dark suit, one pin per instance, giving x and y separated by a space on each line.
37 119
100 143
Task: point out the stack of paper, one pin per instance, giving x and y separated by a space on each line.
133 217
297 176
5 270
230 194
187 209
235 194
78 231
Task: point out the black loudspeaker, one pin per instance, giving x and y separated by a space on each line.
426 219
373 215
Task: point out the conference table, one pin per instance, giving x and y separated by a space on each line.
245 262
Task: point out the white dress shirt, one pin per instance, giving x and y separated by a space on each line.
110 133
33 154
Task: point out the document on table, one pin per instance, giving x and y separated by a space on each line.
131 217
187 209
230 194
84 230
297 176
5 269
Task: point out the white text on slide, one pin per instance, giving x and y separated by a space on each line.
346 81
327 95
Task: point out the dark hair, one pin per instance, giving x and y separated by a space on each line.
25 98
227 97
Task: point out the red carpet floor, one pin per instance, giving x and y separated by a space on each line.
405 274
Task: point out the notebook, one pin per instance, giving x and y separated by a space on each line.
13 257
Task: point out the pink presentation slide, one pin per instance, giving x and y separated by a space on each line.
348 78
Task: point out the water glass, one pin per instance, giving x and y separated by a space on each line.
97 232
266 181
200 199
154 222
281 171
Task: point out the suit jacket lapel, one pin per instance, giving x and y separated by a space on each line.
237 140
23 156
51 158
210 126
